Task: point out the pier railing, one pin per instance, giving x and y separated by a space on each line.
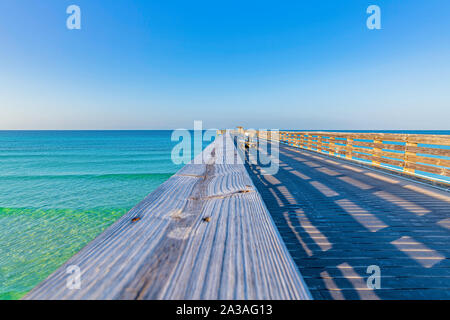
420 155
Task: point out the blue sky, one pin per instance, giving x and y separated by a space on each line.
262 64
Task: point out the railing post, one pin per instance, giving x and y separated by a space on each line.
349 148
332 146
297 140
408 157
309 143
376 151
319 144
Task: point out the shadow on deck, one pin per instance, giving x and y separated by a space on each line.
337 219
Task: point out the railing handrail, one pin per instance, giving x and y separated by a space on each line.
422 155
435 139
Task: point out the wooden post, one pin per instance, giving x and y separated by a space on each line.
349 148
319 143
376 152
409 157
332 146
308 143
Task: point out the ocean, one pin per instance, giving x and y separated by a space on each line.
60 189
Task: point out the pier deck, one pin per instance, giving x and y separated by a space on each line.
338 218
203 234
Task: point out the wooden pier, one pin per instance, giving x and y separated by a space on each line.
203 234
340 206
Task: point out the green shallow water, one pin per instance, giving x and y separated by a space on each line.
60 189
35 242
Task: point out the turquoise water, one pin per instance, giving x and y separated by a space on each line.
60 189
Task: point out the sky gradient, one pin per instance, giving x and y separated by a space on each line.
262 64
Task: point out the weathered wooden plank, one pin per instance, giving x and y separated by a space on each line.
428 160
203 234
387 146
363 150
431 151
379 160
436 170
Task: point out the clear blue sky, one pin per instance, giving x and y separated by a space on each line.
278 64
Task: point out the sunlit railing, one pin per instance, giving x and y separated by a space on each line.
426 156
